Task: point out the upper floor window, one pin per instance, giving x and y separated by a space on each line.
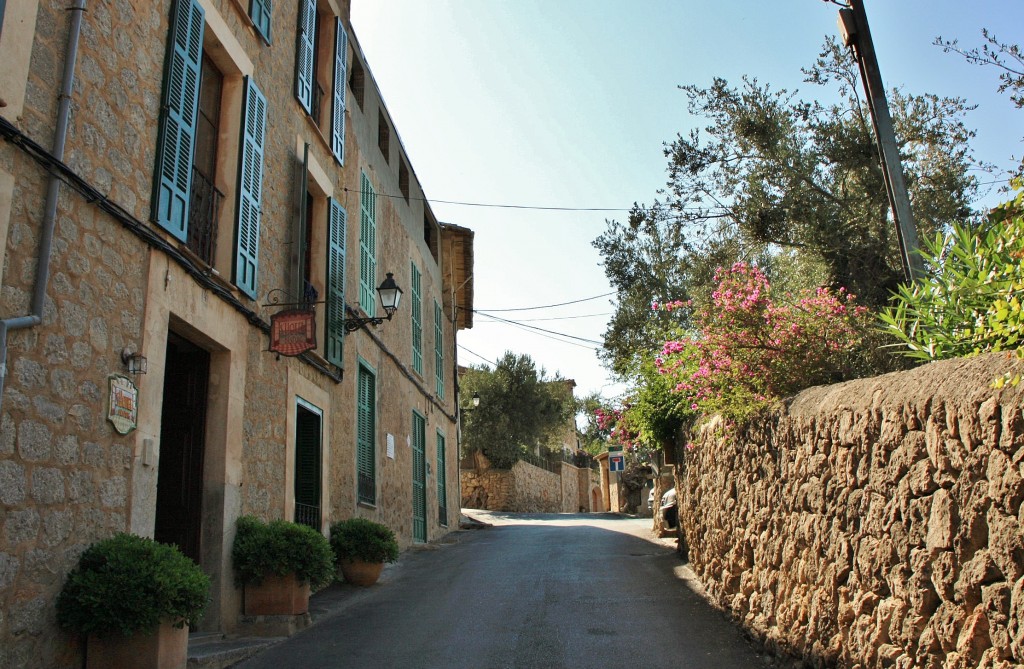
383 136
321 70
357 81
259 12
199 159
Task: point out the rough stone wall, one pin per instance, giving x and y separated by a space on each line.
875 523
524 488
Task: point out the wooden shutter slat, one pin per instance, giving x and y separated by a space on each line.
176 141
335 332
259 12
340 81
306 43
250 187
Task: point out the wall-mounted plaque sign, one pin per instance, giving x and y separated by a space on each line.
123 404
293 332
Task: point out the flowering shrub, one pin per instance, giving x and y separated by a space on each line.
750 349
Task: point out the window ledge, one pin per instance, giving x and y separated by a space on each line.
318 131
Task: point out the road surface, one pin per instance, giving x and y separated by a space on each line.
533 591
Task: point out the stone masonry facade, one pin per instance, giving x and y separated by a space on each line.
120 279
875 523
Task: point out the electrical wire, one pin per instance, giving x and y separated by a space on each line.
553 318
549 306
543 331
489 362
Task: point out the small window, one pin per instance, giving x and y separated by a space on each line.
366 453
403 179
430 233
383 136
357 81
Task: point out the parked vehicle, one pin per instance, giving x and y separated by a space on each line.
669 510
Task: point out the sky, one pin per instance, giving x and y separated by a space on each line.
554 114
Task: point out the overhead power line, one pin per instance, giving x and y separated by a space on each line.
547 306
552 318
489 362
543 331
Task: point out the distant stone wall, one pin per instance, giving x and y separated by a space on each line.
875 523
528 489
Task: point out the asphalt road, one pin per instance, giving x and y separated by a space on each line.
565 590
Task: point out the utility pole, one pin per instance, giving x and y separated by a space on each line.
853 26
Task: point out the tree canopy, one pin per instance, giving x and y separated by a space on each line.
793 186
521 408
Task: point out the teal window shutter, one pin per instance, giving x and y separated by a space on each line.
250 188
335 283
340 81
366 466
259 12
367 246
176 139
305 54
438 350
442 482
417 319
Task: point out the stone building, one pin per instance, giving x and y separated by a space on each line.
173 173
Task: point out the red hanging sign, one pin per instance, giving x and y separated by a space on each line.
293 332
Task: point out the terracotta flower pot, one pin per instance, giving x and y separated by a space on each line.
361 573
164 648
277 596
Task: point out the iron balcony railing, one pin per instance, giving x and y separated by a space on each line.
202 218
308 514
367 489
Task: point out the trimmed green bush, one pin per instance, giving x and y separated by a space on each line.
128 584
281 548
362 539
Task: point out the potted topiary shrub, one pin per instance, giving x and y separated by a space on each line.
361 547
134 599
278 563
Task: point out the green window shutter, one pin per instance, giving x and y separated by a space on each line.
335 307
438 350
259 12
442 482
366 473
417 320
305 53
419 477
176 139
367 247
340 81
250 188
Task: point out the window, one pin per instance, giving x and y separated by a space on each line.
417 319
367 246
403 178
198 159
357 81
259 12
307 464
318 255
442 481
438 350
366 456
383 136
321 68
430 232
204 205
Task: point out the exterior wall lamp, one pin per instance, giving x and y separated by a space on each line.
390 295
135 362
476 400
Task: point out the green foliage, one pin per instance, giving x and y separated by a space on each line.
520 409
128 584
281 548
364 540
971 301
655 413
790 185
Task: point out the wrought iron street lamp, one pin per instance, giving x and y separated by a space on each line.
390 295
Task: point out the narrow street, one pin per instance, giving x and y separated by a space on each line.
534 590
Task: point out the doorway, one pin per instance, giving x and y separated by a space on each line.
179 492
419 478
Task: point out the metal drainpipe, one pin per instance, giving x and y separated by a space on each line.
35 316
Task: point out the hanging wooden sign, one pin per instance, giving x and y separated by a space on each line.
293 332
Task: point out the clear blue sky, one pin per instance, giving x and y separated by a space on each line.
567 103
